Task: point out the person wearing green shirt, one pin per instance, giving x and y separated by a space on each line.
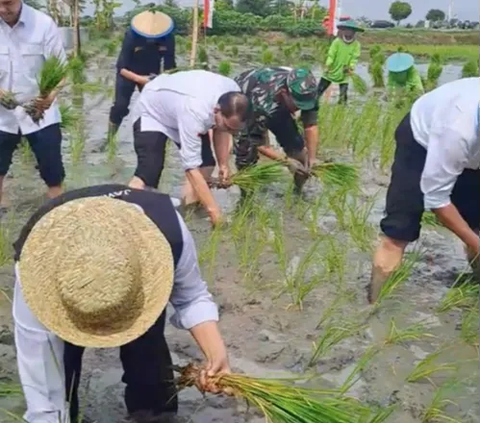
342 59
403 76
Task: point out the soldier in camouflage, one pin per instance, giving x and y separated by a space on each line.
276 94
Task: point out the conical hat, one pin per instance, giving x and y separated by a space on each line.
400 62
152 24
97 272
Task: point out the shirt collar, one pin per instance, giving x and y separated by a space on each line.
24 14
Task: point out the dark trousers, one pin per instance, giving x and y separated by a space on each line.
285 129
405 200
324 84
124 89
150 147
147 373
46 145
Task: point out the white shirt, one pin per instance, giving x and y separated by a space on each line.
40 352
445 122
23 50
181 106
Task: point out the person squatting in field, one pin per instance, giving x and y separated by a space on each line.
28 38
276 94
403 77
342 59
148 42
184 107
436 167
96 268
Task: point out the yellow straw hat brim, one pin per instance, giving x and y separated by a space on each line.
152 24
45 254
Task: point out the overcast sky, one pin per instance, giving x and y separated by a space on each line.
376 9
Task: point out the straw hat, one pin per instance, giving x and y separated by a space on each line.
97 272
151 24
400 62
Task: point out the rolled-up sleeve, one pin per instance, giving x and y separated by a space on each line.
54 43
190 298
447 157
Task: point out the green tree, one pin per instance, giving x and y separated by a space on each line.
34 3
435 15
224 5
170 3
282 7
400 10
257 7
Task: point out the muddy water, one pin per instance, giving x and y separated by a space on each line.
264 336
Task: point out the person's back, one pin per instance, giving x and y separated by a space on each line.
445 107
193 92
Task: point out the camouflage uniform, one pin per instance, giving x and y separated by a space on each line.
262 87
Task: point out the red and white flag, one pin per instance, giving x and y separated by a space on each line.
208 9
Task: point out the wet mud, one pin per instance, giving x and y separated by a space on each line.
265 336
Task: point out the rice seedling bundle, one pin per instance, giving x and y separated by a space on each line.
470 69
253 177
359 84
225 68
337 174
7 100
52 73
281 402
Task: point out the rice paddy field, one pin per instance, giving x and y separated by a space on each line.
288 273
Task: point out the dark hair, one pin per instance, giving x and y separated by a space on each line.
234 103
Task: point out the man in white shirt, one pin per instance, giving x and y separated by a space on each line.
95 268
27 38
184 107
436 168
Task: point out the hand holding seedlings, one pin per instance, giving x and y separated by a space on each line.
296 167
7 100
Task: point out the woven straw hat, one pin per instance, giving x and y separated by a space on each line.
151 24
97 272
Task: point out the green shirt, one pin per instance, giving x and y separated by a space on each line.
341 56
409 80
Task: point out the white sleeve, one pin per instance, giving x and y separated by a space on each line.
40 364
54 43
447 157
190 126
191 299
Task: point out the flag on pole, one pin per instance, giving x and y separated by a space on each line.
208 9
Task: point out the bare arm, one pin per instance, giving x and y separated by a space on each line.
132 76
311 141
221 144
452 219
205 195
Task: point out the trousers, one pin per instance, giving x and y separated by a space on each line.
325 83
148 373
124 89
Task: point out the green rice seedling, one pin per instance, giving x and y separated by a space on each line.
234 51
25 151
335 259
208 253
53 72
414 332
278 242
337 174
470 69
462 296
429 366
436 410
398 277
361 231
5 242
225 68
430 219
375 50
202 55
434 72
359 84
376 71
8 101
337 200
254 177
267 57
111 48
296 284
9 389
279 400
221 46
77 142
470 326
69 117
362 364
334 333
288 53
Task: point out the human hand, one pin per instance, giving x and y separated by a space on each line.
217 365
224 174
142 79
42 104
216 217
295 167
